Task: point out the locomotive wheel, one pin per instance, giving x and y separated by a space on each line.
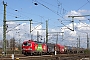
31 54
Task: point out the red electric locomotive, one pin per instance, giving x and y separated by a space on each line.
31 47
28 47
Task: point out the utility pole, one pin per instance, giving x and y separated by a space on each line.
37 36
79 41
87 42
46 31
4 30
78 44
57 38
30 26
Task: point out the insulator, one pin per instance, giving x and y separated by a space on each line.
35 4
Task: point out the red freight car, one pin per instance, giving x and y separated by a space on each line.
60 48
55 47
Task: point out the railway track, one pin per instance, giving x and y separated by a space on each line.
49 57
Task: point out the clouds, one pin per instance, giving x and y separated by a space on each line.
84 11
78 13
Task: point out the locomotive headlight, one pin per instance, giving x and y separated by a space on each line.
23 48
30 49
23 45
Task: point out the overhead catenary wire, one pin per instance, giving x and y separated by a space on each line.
48 3
84 23
82 5
21 16
13 28
22 13
60 9
13 14
37 2
53 10
48 8
88 1
10 14
17 14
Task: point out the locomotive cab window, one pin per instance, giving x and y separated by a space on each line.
29 44
25 44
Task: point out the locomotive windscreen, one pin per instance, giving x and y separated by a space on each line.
26 44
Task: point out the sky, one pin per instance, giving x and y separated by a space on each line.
56 12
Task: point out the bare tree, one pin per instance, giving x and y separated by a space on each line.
12 43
